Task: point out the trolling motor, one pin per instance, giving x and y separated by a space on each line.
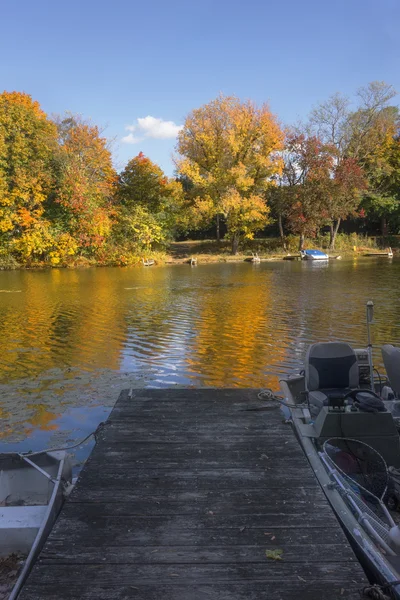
364 355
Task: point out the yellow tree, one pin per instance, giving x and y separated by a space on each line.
27 142
230 150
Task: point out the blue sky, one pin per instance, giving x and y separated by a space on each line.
126 60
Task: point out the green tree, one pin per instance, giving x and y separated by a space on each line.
382 200
151 207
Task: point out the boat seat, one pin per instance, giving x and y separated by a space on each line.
331 370
391 360
15 517
19 526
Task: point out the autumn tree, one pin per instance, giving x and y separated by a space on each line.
229 150
150 205
85 182
308 165
365 139
27 143
348 185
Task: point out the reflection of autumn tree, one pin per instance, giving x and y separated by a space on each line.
235 333
65 322
151 317
41 418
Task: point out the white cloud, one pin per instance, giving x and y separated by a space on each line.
131 139
151 127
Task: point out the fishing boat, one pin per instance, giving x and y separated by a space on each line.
313 255
350 436
32 488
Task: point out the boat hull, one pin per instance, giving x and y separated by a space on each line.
377 567
31 496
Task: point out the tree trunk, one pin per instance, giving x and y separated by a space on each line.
235 244
336 232
333 234
281 232
218 233
384 227
301 241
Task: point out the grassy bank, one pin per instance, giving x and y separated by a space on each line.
272 249
207 251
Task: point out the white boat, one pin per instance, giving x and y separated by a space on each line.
313 255
32 490
148 263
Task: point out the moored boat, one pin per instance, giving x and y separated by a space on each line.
351 439
313 255
32 490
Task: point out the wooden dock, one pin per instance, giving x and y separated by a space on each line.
183 497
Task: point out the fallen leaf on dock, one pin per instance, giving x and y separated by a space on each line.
274 554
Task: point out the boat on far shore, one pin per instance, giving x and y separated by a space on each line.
313 255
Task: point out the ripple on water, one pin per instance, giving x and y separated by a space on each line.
72 339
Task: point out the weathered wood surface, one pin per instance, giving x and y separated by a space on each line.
180 499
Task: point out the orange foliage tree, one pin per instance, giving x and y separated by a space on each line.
82 202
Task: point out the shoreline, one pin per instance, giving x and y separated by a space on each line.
205 252
201 259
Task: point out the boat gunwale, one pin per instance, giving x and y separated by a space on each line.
353 529
39 541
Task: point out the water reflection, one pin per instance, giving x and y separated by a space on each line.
72 339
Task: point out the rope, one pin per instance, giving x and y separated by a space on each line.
268 394
95 434
375 592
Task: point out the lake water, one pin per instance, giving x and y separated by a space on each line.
72 339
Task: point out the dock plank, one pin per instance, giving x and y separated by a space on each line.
183 494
